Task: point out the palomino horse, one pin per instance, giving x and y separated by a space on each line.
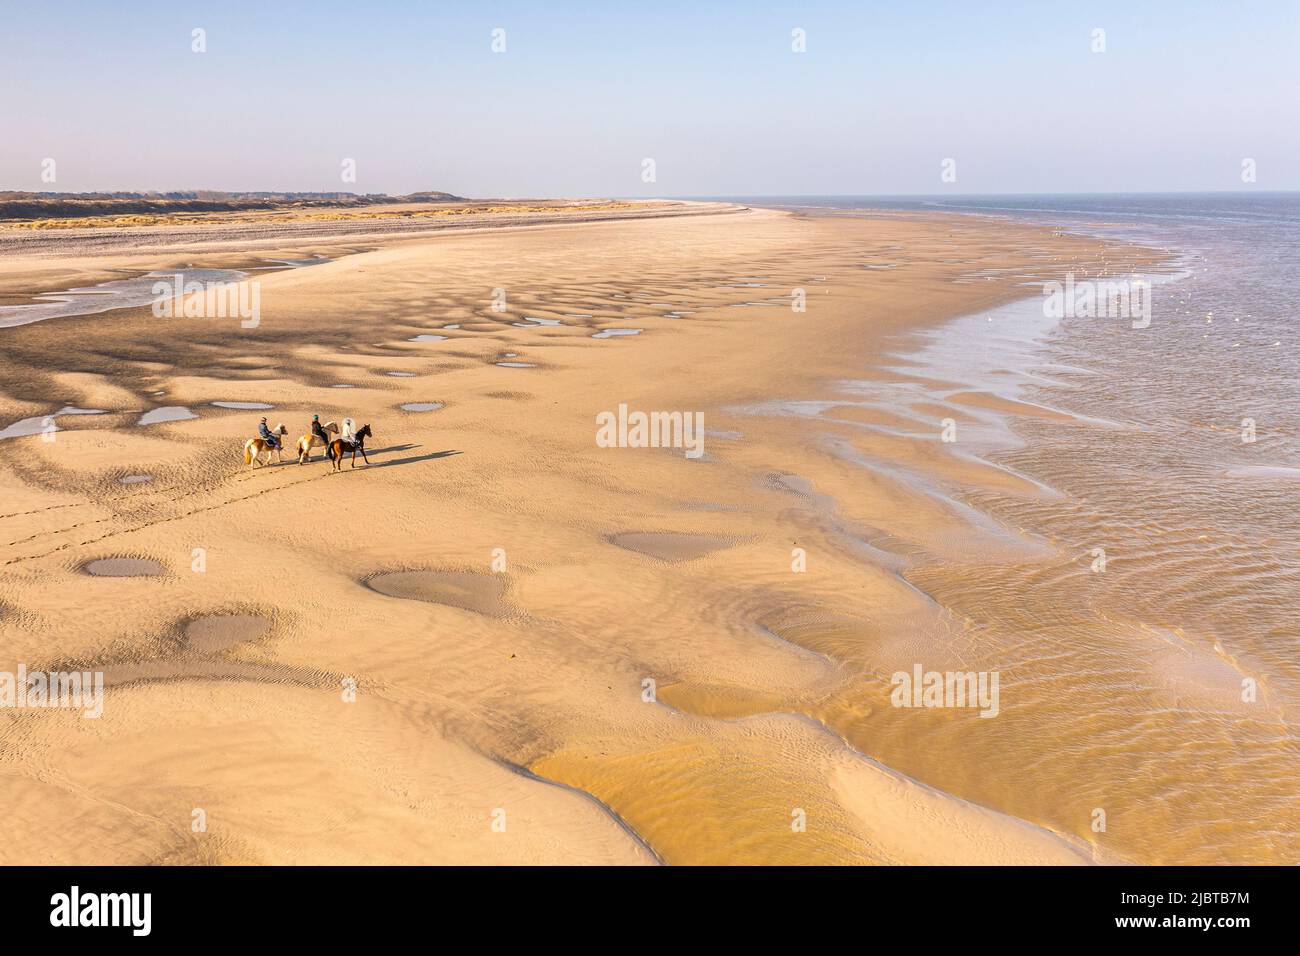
307 442
254 447
338 446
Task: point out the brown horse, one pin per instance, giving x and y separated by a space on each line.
254 447
338 446
307 442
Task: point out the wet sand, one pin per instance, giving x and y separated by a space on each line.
500 642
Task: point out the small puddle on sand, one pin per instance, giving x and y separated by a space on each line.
1279 472
421 406
427 338
342 386
530 322
202 657
669 546
401 374
247 406
44 423
211 635
168 413
114 294
720 701
124 568
315 260
516 364
610 333
135 479
475 591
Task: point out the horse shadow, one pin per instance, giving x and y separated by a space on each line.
347 456
408 460
412 459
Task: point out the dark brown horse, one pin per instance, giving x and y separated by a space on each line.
339 447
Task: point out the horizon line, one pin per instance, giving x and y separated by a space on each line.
1132 192
681 196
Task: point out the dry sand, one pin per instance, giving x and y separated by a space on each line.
500 590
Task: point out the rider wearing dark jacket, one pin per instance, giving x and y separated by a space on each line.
319 432
265 432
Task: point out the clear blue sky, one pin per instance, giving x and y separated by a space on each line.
710 90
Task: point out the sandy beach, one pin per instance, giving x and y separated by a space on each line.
500 642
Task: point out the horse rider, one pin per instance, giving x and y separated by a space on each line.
265 432
319 432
